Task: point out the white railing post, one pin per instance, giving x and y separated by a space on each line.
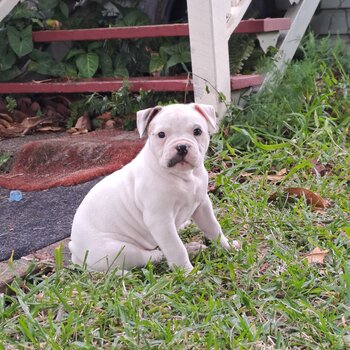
300 13
6 6
209 51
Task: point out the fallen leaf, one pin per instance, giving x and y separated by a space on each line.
110 125
83 122
282 172
29 124
319 169
105 116
264 267
50 128
76 131
4 123
316 256
6 117
312 198
269 177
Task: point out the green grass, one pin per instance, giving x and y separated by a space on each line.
266 296
4 157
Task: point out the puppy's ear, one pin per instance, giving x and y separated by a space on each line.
144 117
208 112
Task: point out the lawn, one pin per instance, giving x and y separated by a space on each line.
272 294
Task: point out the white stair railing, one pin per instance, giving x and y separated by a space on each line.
209 51
211 23
6 6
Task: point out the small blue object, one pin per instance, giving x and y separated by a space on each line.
15 196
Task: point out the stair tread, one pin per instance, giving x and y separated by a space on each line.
174 83
161 30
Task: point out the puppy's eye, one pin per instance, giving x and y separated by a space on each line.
197 132
161 135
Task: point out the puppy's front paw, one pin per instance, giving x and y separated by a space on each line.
237 245
229 245
193 248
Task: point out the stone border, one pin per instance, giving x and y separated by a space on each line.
21 267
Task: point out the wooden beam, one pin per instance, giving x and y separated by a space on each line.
263 25
177 83
180 29
112 33
241 81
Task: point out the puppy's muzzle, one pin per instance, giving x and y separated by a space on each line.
181 152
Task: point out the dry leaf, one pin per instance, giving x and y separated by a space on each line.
269 177
83 122
50 128
105 116
6 117
311 198
282 172
264 267
319 169
76 131
316 256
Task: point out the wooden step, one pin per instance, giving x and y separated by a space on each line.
177 83
164 30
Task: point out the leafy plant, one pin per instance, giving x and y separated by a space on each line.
4 157
170 55
241 47
299 103
11 103
20 41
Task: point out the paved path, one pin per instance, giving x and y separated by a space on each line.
39 219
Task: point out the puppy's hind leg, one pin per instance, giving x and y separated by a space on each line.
108 254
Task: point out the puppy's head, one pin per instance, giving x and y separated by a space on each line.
178 135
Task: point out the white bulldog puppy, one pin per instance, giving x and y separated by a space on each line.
132 216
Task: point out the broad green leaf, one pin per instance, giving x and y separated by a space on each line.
64 9
157 63
174 60
74 52
106 65
95 45
7 61
87 64
45 5
3 43
133 18
120 69
70 70
48 66
168 49
37 55
20 41
9 74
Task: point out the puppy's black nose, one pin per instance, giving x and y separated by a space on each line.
181 150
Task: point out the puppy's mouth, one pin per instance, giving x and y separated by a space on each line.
177 159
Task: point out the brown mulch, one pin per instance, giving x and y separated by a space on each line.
69 160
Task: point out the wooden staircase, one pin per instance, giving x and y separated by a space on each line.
209 50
